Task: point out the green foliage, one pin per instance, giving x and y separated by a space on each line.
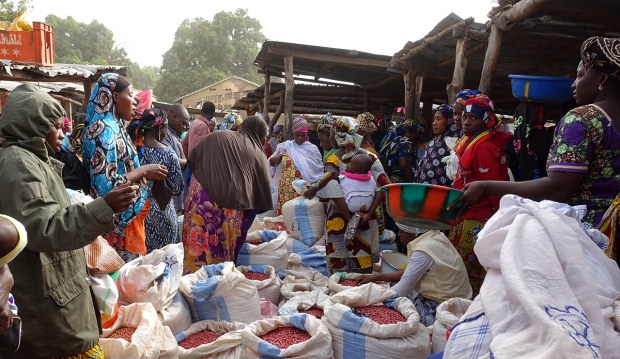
79 43
9 8
205 51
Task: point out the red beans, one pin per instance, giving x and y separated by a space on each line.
122 333
284 337
349 283
317 312
380 314
256 276
199 338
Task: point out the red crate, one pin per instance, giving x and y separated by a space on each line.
33 47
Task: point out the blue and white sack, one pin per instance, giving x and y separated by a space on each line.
295 282
227 346
304 218
271 250
304 301
221 292
355 337
318 346
269 288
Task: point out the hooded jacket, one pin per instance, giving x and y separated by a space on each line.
52 286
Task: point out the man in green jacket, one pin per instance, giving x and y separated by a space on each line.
52 285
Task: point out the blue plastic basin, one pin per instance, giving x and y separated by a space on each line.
545 89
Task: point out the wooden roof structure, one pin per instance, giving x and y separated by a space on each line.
527 37
354 81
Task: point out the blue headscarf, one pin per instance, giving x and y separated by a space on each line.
108 153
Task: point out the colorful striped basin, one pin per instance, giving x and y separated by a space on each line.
422 205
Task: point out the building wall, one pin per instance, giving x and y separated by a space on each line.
223 94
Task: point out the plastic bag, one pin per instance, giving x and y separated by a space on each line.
106 295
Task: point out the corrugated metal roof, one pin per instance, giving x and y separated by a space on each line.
57 72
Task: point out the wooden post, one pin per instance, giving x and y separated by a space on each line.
419 80
88 88
460 67
267 97
490 60
288 97
410 81
366 101
276 115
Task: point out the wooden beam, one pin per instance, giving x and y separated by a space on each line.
490 60
431 40
452 60
409 92
288 97
331 58
460 68
419 81
366 101
267 97
88 88
265 59
427 114
278 112
383 82
520 11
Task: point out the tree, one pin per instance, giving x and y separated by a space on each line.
80 43
9 8
205 51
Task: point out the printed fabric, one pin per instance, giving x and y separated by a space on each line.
587 142
161 224
289 173
463 236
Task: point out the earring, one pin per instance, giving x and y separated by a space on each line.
600 87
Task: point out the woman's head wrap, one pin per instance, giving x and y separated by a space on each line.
101 104
277 129
326 123
408 125
484 108
464 95
232 121
300 125
446 110
153 118
76 136
603 54
367 123
345 129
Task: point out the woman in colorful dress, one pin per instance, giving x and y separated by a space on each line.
431 168
355 256
481 158
160 224
295 159
366 130
229 185
399 151
584 161
324 129
112 160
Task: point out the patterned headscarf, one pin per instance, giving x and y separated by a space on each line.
101 104
367 123
603 54
451 129
408 125
300 125
153 118
232 121
446 110
464 95
345 129
277 129
484 109
326 123
76 136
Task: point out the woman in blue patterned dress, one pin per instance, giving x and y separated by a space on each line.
160 224
112 161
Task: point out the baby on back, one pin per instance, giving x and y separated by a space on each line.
358 184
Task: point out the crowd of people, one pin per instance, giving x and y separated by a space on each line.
142 174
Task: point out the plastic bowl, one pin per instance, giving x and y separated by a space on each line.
422 205
393 262
544 89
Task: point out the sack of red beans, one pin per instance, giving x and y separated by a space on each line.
373 322
448 314
313 302
221 292
291 336
340 281
270 250
138 333
299 281
265 279
210 339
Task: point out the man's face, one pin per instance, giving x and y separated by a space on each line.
179 121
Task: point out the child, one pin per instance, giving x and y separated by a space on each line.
359 188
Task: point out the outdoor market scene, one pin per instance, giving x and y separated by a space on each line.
219 192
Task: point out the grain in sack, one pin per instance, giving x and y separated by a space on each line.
317 344
221 292
357 337
150 339
226 346
314 301
268 288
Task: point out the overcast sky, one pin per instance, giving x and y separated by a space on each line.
146 28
